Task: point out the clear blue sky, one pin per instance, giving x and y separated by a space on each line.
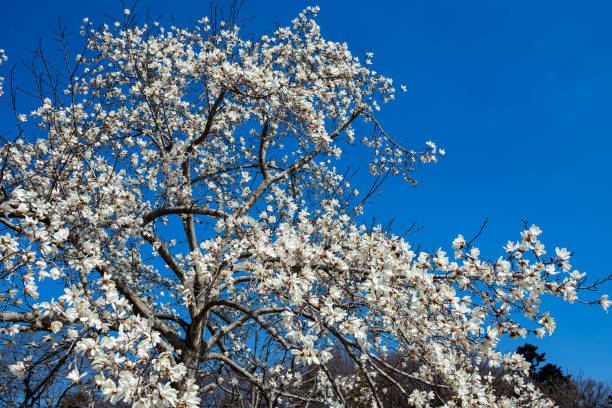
519 93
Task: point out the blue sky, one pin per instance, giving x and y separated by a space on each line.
518 93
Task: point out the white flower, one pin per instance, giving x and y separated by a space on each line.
577 275
56 326
126 12
167 395
563 254
61 235
535 230
306 356
18 369
548 323
459 242
605 303
74 376
71 314
110 391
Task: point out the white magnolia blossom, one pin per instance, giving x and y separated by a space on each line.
18 369
74 375
183 192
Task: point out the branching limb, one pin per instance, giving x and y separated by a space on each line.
265 184
160 212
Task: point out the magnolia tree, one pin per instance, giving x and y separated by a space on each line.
178 232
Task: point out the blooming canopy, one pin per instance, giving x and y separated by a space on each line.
184 196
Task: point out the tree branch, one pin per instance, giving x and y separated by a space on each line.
160 212
143 309
209 122
261 188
